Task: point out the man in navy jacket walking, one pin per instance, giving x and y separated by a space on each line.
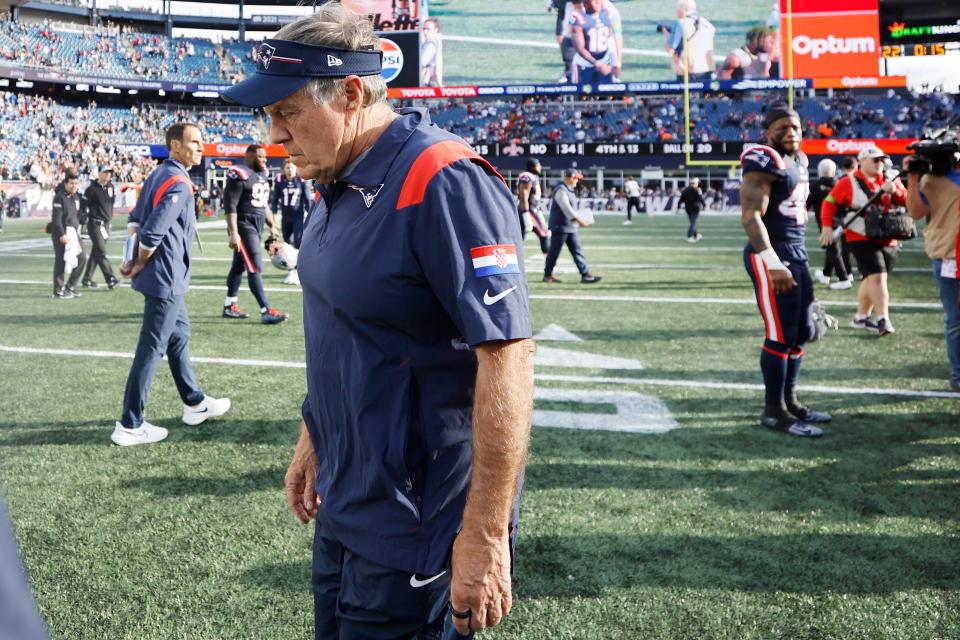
165 220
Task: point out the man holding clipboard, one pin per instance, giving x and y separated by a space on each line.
565 218
157 257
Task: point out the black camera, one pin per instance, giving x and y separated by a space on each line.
664 29
936 154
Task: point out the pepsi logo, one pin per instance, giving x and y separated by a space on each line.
392 59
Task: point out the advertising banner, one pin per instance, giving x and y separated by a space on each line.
831 39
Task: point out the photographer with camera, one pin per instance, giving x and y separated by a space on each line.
690 43
875 257
933 192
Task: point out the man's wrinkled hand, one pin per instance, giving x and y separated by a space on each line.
299 482
480 580
233 240
130 269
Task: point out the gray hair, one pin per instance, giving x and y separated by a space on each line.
687 5
334 26
827 168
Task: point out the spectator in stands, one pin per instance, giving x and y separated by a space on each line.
693 203
937 198
632 190
65 233
431 54
564 221
99 198
875 258
752 60
690 43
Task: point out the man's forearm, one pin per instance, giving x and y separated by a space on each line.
232 224
501 430
915 205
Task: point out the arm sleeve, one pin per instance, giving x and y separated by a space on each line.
164 214
231 195
56 217
467 241
563 201
276 196
676 36
840 195
899 196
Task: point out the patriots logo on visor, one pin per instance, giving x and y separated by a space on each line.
265 54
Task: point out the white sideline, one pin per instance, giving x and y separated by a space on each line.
659 382
575 298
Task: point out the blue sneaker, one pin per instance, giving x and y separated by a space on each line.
273 316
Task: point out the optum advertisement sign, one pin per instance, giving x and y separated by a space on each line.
831 38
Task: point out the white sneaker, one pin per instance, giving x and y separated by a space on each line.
840 285
699 237
820 277
146 433
292 278
209 408
627 223
691 240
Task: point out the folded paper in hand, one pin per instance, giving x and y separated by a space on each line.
130 247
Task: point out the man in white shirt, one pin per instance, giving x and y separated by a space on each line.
632 190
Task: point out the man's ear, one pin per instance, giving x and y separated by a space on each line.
353 93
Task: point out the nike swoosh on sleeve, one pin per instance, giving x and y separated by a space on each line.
488 299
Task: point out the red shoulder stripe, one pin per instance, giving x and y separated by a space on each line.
240 171
169 183
429 163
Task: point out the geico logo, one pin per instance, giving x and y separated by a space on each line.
816 47
231 149
848 146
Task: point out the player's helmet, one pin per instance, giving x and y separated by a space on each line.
283 256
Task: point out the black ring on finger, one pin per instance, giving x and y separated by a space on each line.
463 615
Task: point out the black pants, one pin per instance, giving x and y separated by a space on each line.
572 240
59 267
98 253
694 216
248 259
633 202
837 259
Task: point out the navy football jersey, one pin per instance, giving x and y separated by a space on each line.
290 197
249 190
786 215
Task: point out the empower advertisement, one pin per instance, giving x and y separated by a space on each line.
830 38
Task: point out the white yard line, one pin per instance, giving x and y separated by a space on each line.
660 382
573 298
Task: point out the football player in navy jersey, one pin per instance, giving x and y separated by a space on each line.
291 197
774 215
246 199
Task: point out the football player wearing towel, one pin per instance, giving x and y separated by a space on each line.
774 214
419 357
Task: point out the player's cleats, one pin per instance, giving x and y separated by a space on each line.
208 408
89 284
146 433
273 316
589 278
808 415
841 285
112 284
552 280
62 294
790 425
863 323
73 292
233 311
884 328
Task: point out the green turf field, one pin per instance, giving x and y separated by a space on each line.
715 529
519 44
